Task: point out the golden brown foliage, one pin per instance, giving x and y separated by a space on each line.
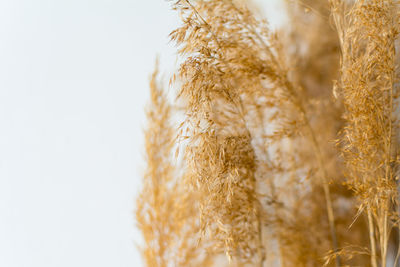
288 139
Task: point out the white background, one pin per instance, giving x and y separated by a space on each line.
73 84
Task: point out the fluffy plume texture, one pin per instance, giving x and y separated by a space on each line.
219 151
286 141
368 31
166 207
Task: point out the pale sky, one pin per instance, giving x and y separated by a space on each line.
73 85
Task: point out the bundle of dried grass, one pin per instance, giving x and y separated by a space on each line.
261 179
